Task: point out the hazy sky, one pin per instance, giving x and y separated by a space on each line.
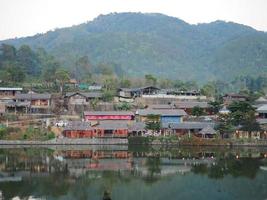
28 17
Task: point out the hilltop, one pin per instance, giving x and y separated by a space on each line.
139 44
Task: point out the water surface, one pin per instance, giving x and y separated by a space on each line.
133 173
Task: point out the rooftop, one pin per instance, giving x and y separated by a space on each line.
78 125
161 106
188 125
208 130
161 112
100 113
85 94
111 125
191 104
262 109
10 89
33 96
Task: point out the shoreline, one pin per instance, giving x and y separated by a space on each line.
94 141
120 141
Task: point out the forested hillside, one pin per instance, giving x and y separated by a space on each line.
136 44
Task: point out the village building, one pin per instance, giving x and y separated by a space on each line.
262 114
189 128
108 115
161 106
260 102
7 94
131 93
137 129
165 115
207 132
240 134
34 102
188 106
224 111
112 128
230 98
79 129
81 98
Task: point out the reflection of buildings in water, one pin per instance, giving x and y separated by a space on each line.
264 168
168 166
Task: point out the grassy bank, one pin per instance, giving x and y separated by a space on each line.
30 133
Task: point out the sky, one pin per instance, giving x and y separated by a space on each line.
20 18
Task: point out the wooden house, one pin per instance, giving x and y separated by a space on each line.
81 98
7 94
108 115
188 106
38 103
189 128
112 128
129 93
79 129
231 97
165 115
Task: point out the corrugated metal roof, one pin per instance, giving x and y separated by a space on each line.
85 94
33 96
161 112
161 106
100 113
191 104
188 125
138 89
137 126
208 130
111 125
262 109
78 126
10 89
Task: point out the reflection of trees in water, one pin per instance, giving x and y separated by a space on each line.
153 167
230 165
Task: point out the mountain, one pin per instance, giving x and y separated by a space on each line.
161 45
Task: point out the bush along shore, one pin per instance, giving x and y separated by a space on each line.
194 141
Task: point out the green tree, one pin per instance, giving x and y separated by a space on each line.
197 111
108 95
28 61
153 122
13 73
208 90
125 83
215 106
150 80
62 76
82 69
124 106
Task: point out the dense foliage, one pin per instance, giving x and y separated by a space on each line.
138 44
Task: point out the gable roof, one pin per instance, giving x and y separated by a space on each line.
161 112
33 96
160 106
100 113
137 126
111 125
138 89
262 109
261 99
188 125
208 130
191 104
78 125
85 94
